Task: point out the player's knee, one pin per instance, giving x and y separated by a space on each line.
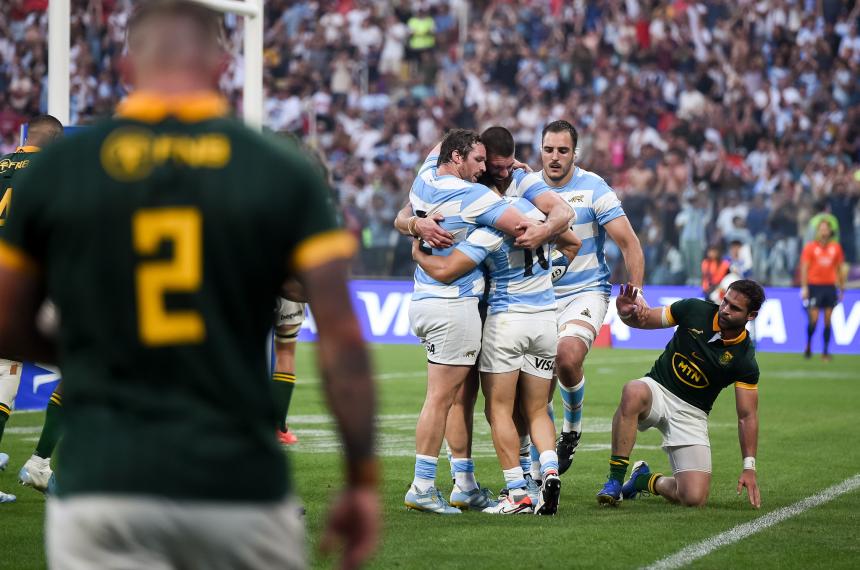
692 496
634 395
568 363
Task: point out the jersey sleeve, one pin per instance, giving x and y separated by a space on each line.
606 204
429 164
480 244
24 243
747 375
482 206
679 311
318 238
530 185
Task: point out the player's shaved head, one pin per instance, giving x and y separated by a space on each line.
175 37
499 142
42 130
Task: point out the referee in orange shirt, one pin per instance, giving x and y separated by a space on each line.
822 280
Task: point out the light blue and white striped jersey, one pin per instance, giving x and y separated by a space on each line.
528 185
465 205
520 280
595 205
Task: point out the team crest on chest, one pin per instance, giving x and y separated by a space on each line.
577 199
726 358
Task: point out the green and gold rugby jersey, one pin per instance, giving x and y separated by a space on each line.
697 363
163 236
10 166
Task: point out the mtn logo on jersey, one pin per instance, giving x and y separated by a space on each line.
688 372
544 363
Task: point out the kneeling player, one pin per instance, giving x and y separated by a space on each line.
709 351
517 352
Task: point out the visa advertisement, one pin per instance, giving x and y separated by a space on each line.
383 311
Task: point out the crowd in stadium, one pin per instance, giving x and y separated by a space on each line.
717 122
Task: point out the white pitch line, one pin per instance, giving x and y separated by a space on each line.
694 552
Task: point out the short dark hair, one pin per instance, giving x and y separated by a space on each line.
209 20
561 126
499 141
751 290
460 140
42 129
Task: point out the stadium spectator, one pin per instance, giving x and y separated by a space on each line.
714 268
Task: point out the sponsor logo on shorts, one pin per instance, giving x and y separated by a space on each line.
431 349
544 363
586 313
470 353
688 372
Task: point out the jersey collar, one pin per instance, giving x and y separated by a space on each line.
28 148
737 340
151 107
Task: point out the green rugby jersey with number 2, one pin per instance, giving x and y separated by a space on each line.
163 236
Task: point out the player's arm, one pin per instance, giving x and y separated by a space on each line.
559 216
621 232
804 275
22 292
428 229
443 268
569 244
746 402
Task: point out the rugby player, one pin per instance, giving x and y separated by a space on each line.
709 351
517 351
445 316
583 291
164 254
822 282
41 131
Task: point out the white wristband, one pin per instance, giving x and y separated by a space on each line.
749 463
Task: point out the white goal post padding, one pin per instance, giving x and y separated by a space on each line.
59 17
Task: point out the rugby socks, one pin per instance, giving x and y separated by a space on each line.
810 330
827 332
5 412
283 385
53 429
525 453
515 481
647 483
464 474
618 467
535 461
572 398
425 472
548 463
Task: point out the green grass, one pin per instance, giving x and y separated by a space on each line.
808 438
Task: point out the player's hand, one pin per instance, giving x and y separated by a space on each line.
432 233
626 301
748 480
533 235
523 165
804 293
354 522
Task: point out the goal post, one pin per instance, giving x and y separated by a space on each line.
59 21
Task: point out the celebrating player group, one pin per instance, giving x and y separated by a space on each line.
511 289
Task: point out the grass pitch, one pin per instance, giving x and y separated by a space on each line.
807 442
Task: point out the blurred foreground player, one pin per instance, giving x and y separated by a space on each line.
41 131
164 254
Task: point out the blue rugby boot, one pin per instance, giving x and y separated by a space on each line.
430 502
610 494
628 490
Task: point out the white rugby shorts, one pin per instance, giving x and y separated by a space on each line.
680 423
590 307
10 378
520 341
449 329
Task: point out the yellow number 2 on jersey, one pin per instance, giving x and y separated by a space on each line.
4 205
182 274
